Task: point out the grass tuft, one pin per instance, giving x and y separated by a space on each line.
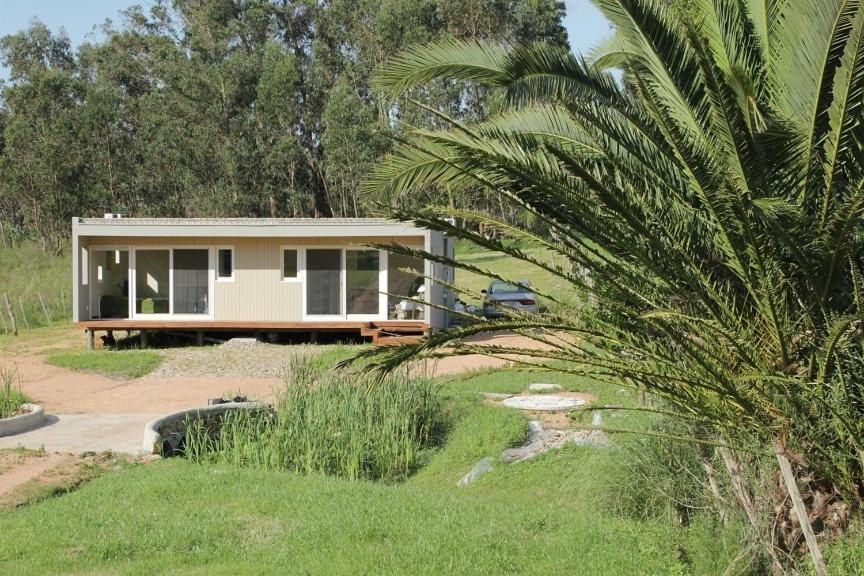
11 396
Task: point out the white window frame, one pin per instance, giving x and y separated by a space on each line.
301 264
216 250
211 280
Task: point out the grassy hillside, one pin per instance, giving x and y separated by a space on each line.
32 278
510 268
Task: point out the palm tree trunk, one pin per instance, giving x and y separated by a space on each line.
739 487
800 509
711 475
745 499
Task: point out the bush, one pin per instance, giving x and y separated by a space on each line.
328 422
11 396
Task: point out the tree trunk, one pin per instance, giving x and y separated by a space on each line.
800 508
739 487
11 312
711 475
23 313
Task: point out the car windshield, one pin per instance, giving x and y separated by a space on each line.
501 288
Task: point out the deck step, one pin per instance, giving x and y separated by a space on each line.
396 340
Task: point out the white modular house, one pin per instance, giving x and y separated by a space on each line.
260 275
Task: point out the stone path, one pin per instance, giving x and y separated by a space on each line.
79 433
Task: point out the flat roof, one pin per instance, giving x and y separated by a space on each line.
243 227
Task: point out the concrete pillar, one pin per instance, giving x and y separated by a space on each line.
91 339
143 339
200 337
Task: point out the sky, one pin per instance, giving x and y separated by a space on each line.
585 25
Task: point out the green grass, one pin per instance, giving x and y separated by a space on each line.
118 363
179 517
549 515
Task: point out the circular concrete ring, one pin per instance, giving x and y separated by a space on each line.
33 418
544 402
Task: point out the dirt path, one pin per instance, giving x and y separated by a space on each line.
457 364
62 391
28 466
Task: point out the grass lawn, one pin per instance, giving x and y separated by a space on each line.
120 363
545 516
508 268
177 517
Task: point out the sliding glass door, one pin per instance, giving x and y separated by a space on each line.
109 278
152 282
324 282
344 283
362 283
191 281
172 282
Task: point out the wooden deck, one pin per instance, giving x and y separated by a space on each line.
380 331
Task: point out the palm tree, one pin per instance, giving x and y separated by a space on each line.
708 195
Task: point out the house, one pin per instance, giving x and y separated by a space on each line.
256 275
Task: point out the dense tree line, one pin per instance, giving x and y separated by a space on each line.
226 107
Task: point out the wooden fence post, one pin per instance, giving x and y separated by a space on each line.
11 312
44 310
23 314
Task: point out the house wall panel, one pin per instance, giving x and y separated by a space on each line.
257 292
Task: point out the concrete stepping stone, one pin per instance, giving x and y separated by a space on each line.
543 402
544 387
482 467
496 396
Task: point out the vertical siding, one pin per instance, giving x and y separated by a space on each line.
257 292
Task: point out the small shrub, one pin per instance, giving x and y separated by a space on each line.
328 422
11 396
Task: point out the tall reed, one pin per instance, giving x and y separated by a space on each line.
328 422
11 396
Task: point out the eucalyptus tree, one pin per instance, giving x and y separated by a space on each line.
708 195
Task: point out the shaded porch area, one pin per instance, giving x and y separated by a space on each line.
380 332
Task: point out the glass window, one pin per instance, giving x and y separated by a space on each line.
289 264
191 283
323 281
361 274
225 269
